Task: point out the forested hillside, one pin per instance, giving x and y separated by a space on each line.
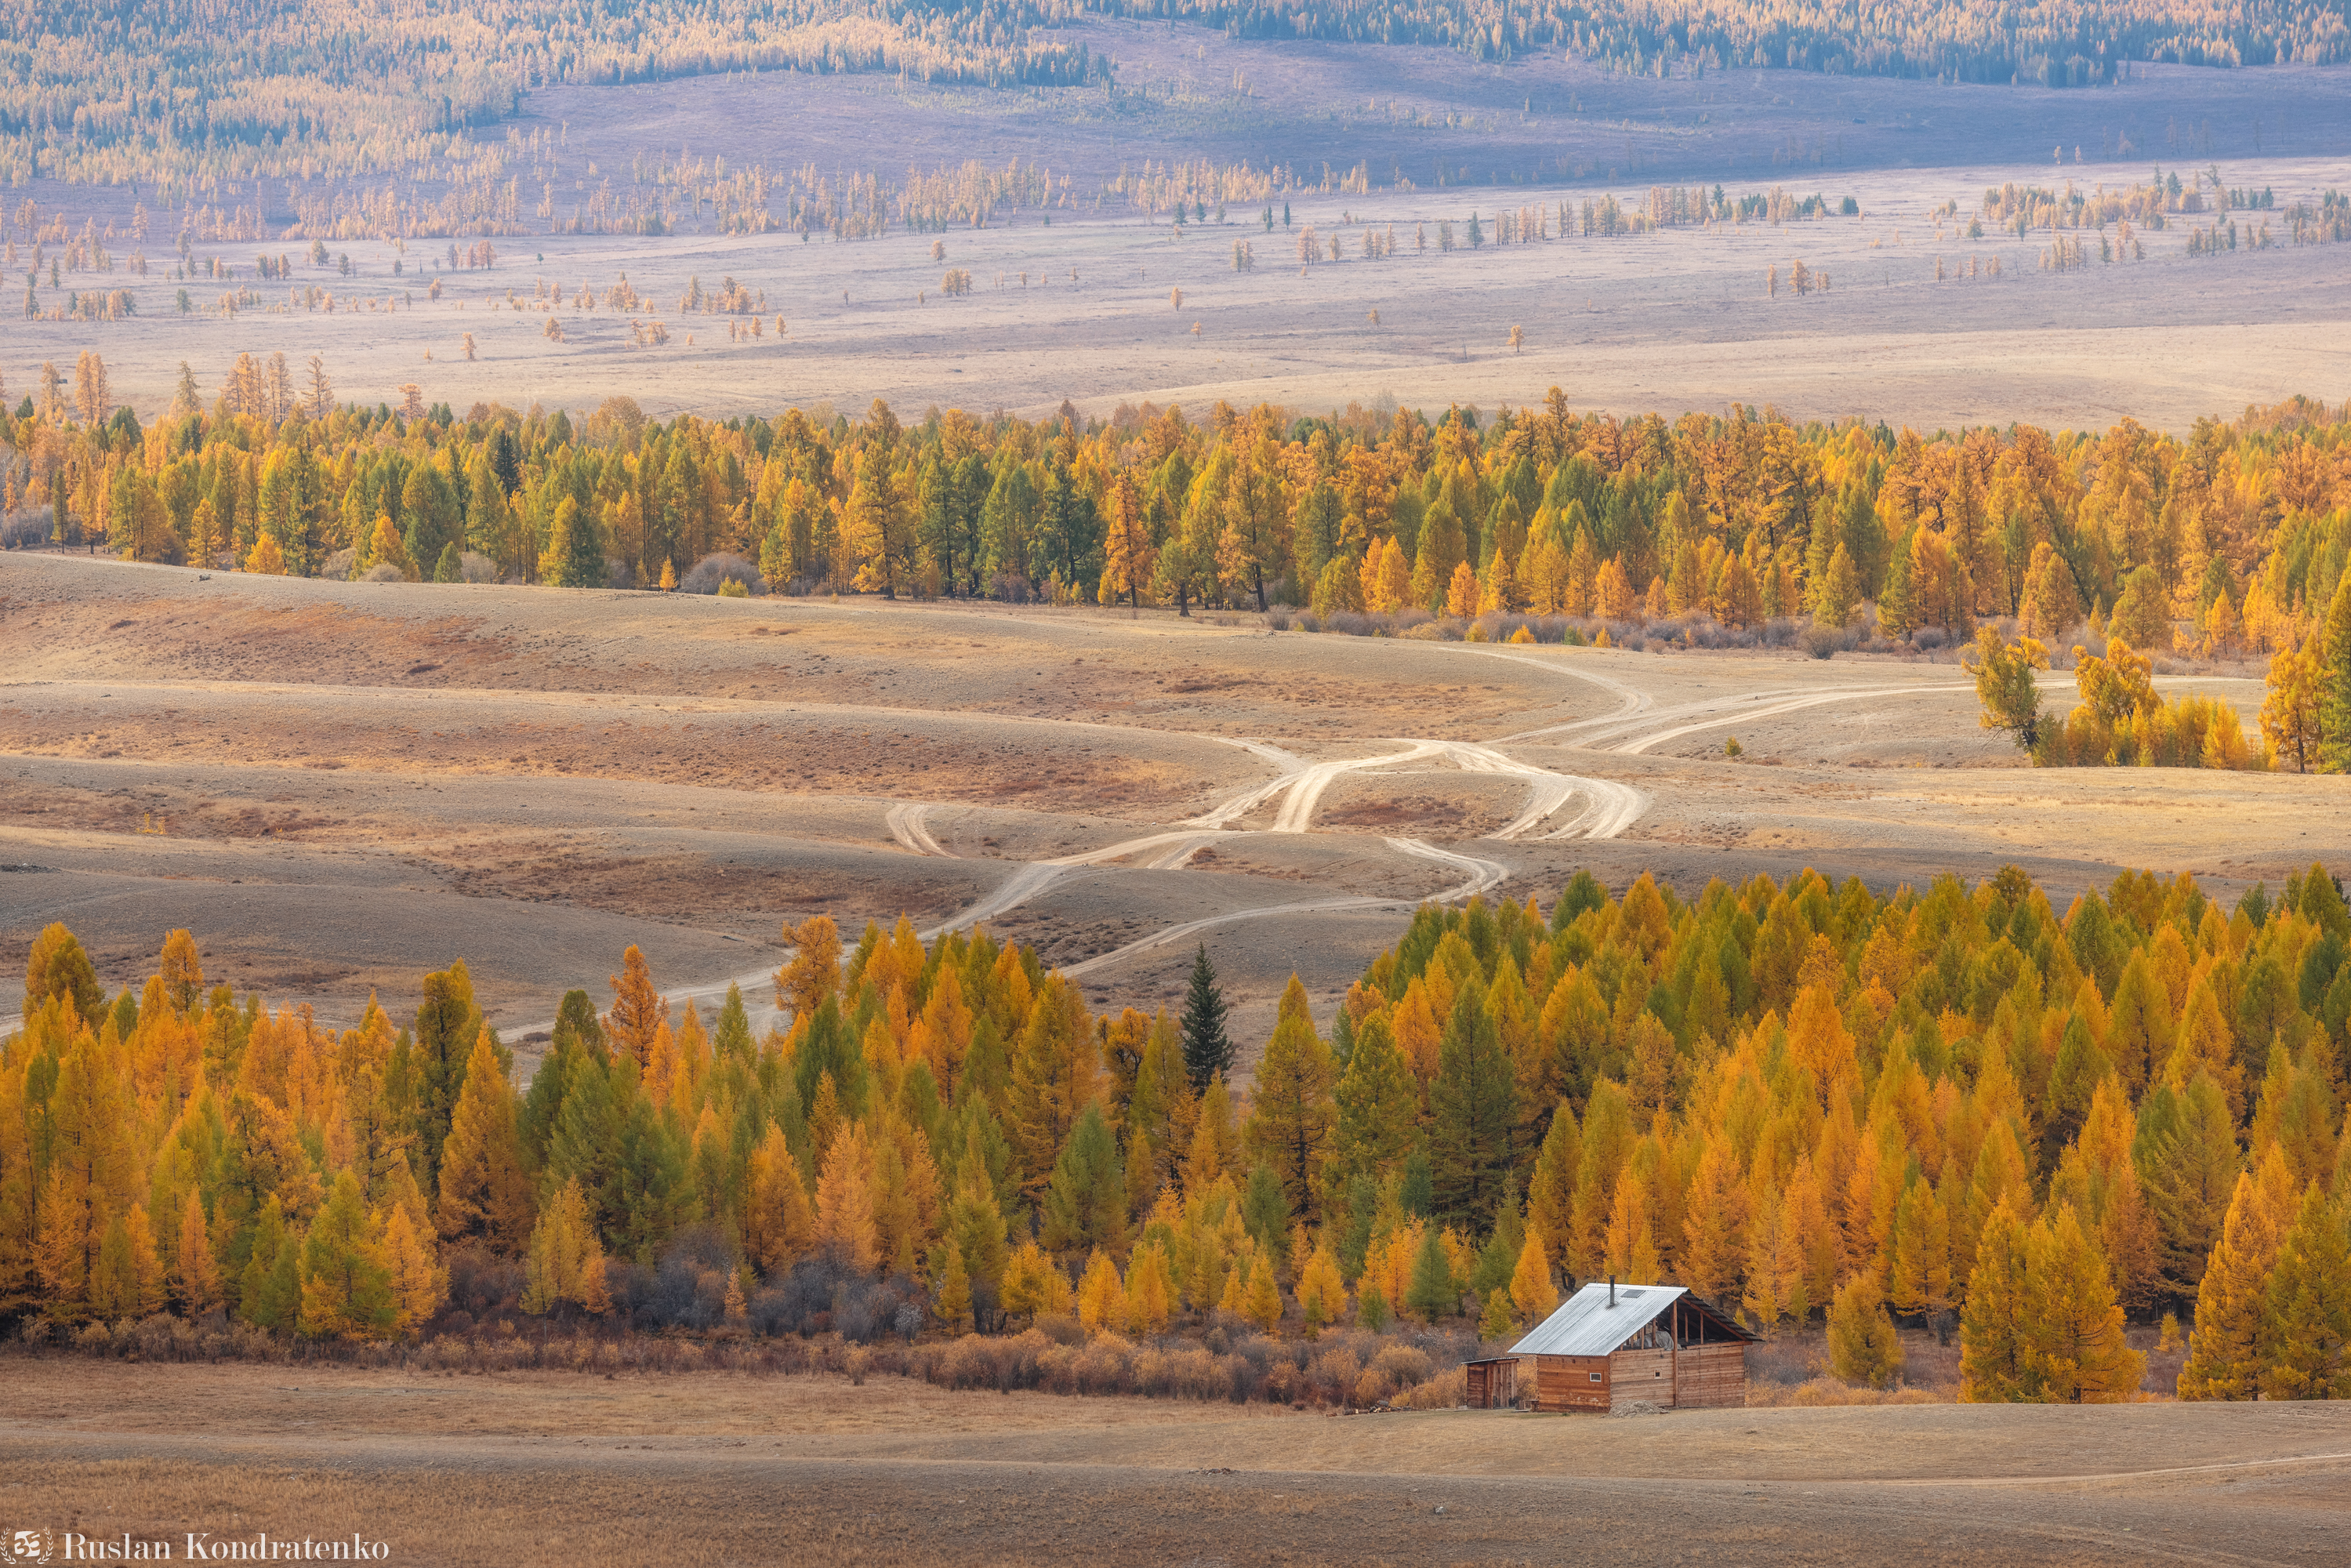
197 93
1799 1099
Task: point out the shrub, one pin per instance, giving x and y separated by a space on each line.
1334 1372
483 1285
1440 1393
473 568
1404 1365
1825 641
25 528
383 571
1060 1328
712 571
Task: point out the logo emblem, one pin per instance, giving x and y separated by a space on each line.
30 1546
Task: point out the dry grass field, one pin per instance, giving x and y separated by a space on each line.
357 782
709 1469
1076 303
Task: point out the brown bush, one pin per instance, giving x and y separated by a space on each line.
1335 1373
1232 1362
1404 1364
1443 1392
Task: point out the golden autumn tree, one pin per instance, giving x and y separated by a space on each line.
346 1289
779 1226
1056 1074
638 1012
814 972
91 1167
419 1282
2077 1337
1128 555
566 1262
844 1199
2224 1358
1292 1115
1532 1291
484 1194
195 1276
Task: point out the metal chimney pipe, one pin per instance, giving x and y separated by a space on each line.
1612 1290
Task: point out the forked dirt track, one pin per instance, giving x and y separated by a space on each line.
341 786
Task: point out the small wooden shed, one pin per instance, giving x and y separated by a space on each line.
1609 1346
1493 1383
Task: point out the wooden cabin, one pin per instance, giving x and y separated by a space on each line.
1610 1345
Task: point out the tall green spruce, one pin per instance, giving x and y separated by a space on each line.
1208 1049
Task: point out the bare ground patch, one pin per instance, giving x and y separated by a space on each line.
745 753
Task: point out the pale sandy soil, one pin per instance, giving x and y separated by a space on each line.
358 782
721 1469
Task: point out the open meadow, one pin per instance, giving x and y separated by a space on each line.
531 781
721 1469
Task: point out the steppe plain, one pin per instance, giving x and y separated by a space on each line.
357 782
1075 303
707 1469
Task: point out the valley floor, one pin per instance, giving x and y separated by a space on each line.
699 1468
340 786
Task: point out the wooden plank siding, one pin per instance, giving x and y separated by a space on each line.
1712 1377
1635 1374
1492 1384
1572 1382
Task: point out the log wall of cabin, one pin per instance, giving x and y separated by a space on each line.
1641 1374
1711 1376
1572 1382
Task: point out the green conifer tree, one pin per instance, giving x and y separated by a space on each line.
1266 1211
259 1302
2334 683
1473 1113
346 1289
1208 1049
1085 1200
1430 1293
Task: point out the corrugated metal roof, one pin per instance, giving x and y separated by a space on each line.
1585 1325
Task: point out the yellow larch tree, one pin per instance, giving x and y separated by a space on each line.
566 1264
779 1226
844 1199
484 1194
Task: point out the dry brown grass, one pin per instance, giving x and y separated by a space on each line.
436 1513
519 1469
